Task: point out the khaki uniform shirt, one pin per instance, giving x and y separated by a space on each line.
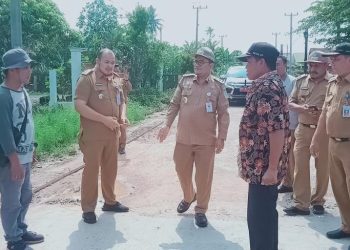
104 95
196 126
338 95
126 85
306 91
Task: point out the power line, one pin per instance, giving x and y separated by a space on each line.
198 7
291 35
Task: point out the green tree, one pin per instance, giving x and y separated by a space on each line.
329 21
46 35
98 22
154 23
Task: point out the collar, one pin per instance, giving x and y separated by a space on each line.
102 77
207 80
327 77
346 78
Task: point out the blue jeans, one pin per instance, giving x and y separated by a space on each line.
15 199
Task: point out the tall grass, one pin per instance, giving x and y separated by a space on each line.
56 129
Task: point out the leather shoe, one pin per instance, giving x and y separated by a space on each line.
292 211
285 189
337 234
121 150
117 207
184 205
201 220
318 209
89 217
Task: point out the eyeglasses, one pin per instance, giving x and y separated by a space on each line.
200 62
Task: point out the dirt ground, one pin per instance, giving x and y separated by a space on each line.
148 184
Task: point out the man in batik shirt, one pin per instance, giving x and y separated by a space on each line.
264 139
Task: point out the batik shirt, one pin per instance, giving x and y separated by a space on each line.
266 111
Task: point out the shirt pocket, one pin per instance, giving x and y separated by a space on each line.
101 93
328 99
214 102
185 95
303 94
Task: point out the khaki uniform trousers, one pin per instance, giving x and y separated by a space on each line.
203 157
339 161
98 153
289 178
122 138
301 186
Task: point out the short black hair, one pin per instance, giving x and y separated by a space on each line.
284 59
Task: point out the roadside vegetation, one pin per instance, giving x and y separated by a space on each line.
57 128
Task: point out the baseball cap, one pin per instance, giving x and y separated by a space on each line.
340 49
261 49
316 56
15 58
206 52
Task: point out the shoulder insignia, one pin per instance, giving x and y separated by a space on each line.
218 80
87 72
301 77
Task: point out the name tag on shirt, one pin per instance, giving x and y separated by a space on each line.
346 111
209 107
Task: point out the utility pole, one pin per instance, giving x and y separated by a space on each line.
275 34
15 23
198 7
161 33
222 40
306 37
291 35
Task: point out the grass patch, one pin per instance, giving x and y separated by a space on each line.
56 128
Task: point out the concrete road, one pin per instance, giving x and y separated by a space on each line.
147 182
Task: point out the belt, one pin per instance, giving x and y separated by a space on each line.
309 125
340 139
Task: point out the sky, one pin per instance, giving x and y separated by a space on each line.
240 22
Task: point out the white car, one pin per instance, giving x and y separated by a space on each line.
237 83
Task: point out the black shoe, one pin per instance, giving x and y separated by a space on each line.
89 217
337 234
121 150
184 205
201 220
292 211
117 207
16 245
285 189
318 209
32 238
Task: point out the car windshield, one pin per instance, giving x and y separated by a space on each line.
240 72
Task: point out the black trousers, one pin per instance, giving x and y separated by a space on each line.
262 217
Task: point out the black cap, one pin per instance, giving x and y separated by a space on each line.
261 49
340 49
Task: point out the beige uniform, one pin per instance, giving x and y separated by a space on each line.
201 109
308 92
127 87
338 129
98 143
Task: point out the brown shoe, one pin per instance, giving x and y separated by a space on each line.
117 208
184 206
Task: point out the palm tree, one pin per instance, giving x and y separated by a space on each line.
154 23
